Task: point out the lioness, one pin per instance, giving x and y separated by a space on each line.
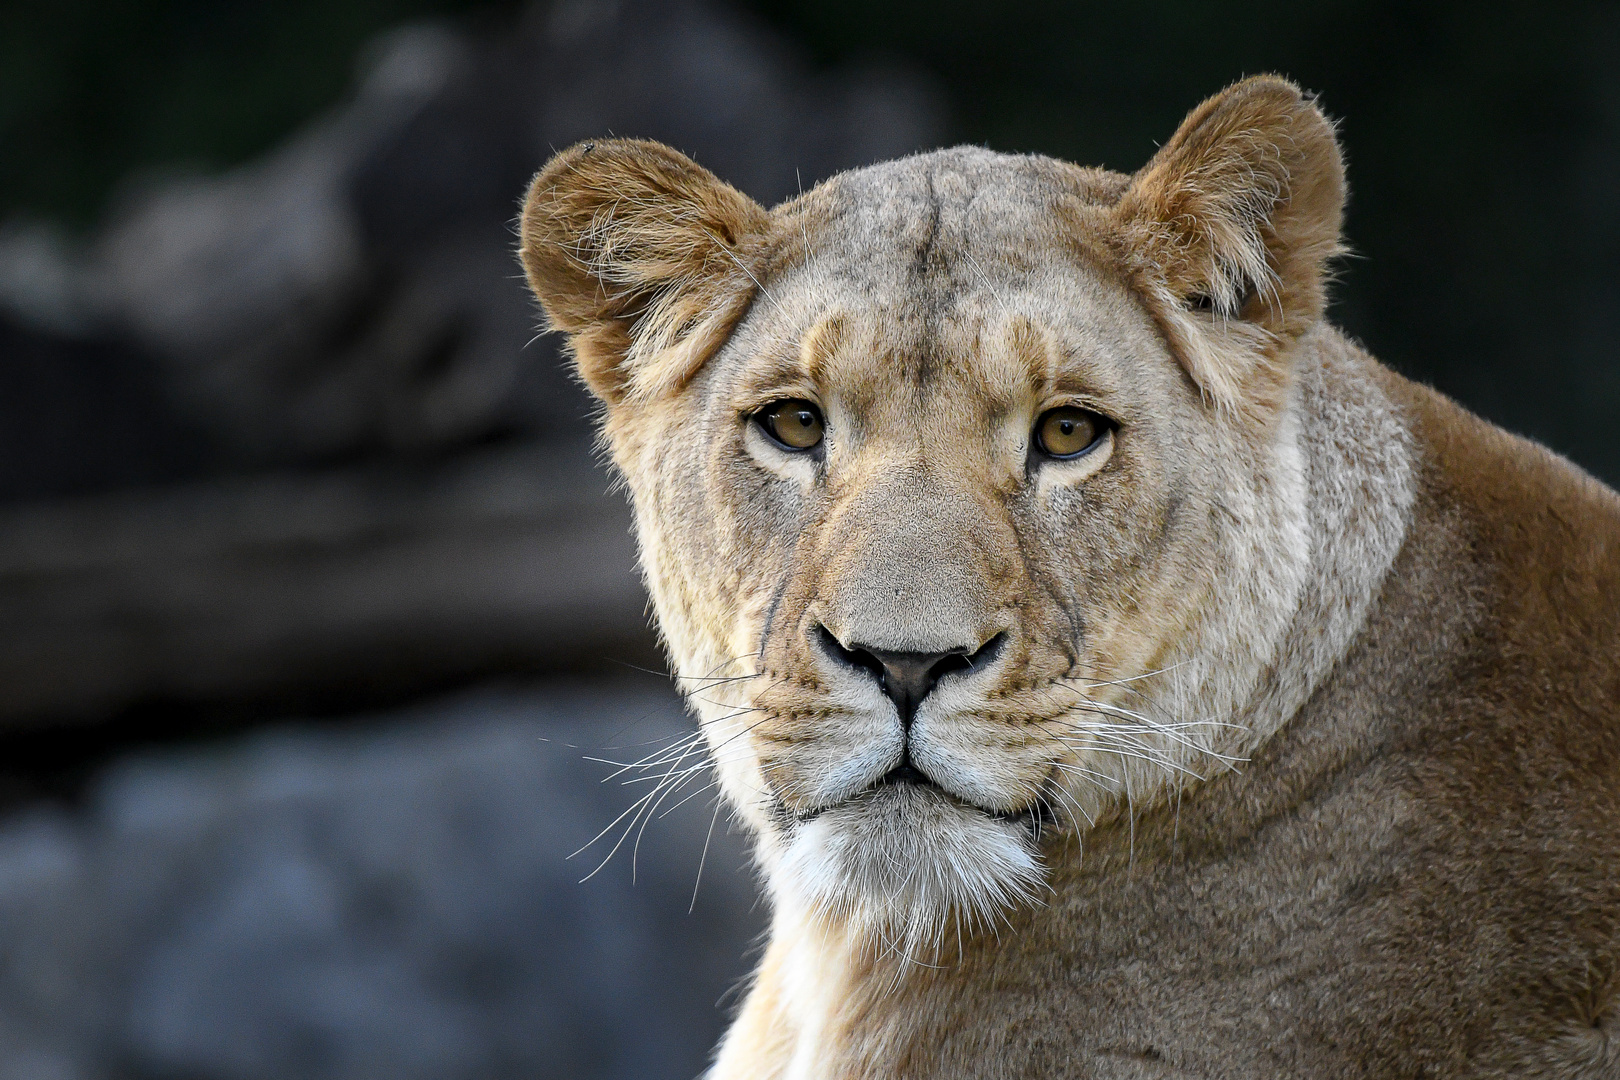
1122 673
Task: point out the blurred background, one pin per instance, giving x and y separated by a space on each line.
318 622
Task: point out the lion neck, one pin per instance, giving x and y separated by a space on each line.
1358 488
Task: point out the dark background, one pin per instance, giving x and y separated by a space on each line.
314 607
1483 139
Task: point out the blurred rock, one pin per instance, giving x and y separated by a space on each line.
258 292
85 413
389 902
279 399
355 291
384 579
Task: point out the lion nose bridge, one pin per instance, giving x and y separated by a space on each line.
910 572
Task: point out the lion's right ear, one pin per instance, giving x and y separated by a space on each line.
642 257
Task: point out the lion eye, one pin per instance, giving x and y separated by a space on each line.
1068 431
795 424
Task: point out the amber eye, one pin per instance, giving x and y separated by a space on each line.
1068 431
794 423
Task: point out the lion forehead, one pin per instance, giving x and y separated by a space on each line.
911 221
961 269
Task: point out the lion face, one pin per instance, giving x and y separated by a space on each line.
961 534
916 622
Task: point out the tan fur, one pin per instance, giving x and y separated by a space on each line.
641 252
1294 746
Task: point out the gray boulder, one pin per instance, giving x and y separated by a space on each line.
393 901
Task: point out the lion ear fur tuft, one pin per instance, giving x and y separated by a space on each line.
1228 231
641 256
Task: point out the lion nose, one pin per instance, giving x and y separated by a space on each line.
907 677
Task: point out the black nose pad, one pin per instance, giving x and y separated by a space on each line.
907 677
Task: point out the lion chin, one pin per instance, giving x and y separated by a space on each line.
905 866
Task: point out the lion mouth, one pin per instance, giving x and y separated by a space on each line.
1033 818
905 773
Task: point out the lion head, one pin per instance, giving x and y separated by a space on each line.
970 491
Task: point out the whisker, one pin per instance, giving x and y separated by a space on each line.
1168 764
668 788
608 828
704 858
1129 678
710 786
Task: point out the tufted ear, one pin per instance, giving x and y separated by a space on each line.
1228 232
641 256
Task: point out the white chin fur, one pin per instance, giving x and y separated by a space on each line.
902 865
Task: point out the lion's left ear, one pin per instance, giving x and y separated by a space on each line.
1228 232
